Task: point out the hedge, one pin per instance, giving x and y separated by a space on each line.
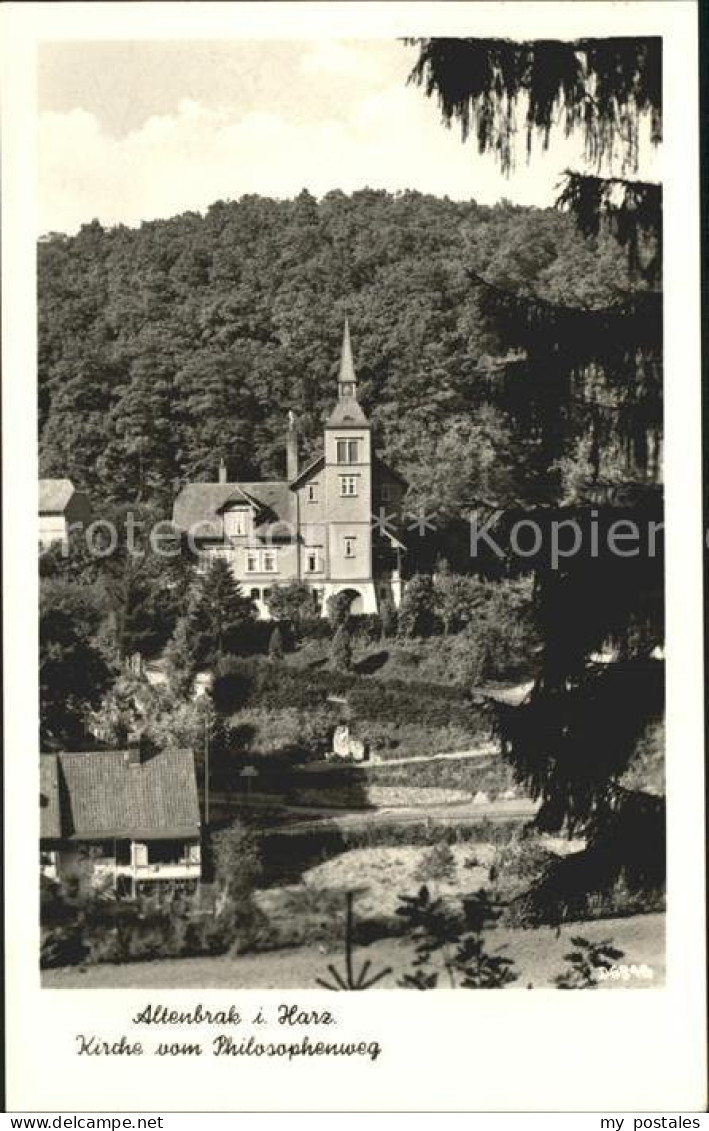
250 683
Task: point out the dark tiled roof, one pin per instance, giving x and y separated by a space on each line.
102 796
50 821
205 502
315 464
54 495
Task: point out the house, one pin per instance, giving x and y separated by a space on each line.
126 817
331 524
61 506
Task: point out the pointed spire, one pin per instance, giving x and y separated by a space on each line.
348 412
347 380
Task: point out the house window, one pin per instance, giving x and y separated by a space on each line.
387 492
255 594
235 523
313 493
349 542
266 594
165 852
269 561
347 388
122 852
348 485
312 564
252 564
348 451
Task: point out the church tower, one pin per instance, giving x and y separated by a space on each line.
348 488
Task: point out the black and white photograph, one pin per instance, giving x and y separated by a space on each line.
350 528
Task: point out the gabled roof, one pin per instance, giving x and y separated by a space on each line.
54 495
206 502
316 464
101 796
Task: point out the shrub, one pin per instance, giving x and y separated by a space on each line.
314 628
237 860
246 683
435 928
132 931
585 962
282 736
438 864
337 608
294 602
276 643
62 946
341 654
366 627
389 619
234 684
416 613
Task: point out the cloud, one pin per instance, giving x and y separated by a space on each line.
189 158
349 121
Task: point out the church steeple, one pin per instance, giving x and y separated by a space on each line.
347 411
347 380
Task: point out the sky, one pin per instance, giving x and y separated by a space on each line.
139 130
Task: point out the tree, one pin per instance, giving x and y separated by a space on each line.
237 860
138 563
293 602
341 651
73 671
133 705
276 644
451 597
605 89
164 348
179 660
219 616
594 373
337 607
389 617
416 612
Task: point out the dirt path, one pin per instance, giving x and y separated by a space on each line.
484 750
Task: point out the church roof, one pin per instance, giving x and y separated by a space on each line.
347 369
347 413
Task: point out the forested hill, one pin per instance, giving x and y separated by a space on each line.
164 348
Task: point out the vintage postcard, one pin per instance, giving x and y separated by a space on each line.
353 557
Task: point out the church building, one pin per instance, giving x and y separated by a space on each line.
330 524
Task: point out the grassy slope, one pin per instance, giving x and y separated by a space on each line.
538 954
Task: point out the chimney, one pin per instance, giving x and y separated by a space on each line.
291 449
222 471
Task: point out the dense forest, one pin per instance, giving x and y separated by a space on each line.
164 348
